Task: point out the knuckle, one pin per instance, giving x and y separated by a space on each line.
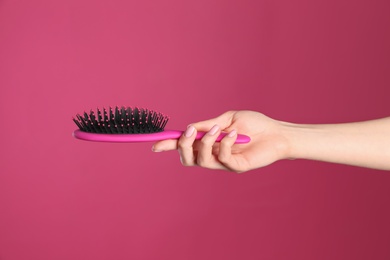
182 144
224 158
204 141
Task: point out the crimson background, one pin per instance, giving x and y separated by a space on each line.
303 61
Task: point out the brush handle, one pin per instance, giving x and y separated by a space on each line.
136 138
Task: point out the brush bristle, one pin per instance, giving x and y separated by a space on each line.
121 120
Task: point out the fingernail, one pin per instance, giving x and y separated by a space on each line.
190 130
156 150
232 133
214 130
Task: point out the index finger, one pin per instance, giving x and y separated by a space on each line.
165 145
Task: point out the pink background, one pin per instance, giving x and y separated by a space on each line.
303 61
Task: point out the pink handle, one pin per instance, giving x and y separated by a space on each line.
136 138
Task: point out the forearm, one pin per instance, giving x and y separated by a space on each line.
365 144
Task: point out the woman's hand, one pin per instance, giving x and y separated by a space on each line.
267 144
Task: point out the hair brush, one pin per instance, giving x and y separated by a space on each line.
128 124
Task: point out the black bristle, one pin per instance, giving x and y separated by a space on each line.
121 120
107 123
77 123
83 123
105 117
136 121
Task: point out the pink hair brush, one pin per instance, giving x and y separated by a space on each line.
128 125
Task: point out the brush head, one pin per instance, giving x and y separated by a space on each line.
121 120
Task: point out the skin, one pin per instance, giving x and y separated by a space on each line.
364 144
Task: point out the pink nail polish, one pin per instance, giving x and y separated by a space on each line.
232 133
214 130
190 130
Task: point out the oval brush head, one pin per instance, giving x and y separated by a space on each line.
127 124
123 120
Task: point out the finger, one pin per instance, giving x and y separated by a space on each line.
165 145
205 157
225 151
229 155
223 121
185 148
197 143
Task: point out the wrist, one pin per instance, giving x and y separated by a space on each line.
298 138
